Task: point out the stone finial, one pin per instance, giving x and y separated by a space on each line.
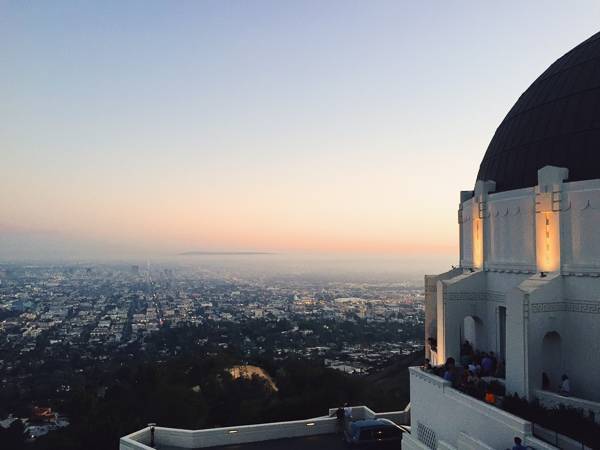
549 176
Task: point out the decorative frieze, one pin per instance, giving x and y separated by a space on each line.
578 307
477 296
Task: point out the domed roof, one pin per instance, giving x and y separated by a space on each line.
556 121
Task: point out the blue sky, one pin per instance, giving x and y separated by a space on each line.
288 126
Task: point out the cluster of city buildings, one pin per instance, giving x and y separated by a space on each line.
58 322
41 422
103 305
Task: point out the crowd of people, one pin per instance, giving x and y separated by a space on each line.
470 380
469 377
485 364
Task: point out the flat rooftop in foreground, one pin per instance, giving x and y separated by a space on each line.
321 442
320 433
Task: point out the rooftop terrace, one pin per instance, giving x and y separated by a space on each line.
317 433
322 442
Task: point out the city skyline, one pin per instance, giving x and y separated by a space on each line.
155 128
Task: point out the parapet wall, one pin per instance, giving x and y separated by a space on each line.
513 228
443 417
251 433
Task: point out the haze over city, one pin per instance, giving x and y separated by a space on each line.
152 128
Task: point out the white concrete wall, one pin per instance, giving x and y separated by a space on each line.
430 311
252 433
398 417
566 301
230 435
535 305
529 331
554 400
479 294
410 442
561 441
467 442
570 306
467 233
511 230
581 328
454 416
516 354
136 441
431 308
580 230
457 297
502 283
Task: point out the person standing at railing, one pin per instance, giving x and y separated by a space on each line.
490 397
565 386
339 415
486 365
347 413
518 444
426 367
449 368
474 368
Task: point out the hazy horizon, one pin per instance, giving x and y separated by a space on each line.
155 128
305 267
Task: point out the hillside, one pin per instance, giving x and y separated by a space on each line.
389 389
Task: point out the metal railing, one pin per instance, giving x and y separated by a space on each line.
555 438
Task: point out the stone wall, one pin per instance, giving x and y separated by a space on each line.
457 420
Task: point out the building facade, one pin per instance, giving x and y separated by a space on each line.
528 283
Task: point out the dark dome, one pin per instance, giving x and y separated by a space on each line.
556 121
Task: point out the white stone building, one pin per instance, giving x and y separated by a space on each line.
528 283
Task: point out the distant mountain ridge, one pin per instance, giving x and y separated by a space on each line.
224 253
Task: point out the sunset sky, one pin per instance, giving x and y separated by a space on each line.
305 126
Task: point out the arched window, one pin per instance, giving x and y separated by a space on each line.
552 362
474 333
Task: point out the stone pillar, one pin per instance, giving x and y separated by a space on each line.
464 196
430 312
517 330
548 194
433 316
480 218
442 323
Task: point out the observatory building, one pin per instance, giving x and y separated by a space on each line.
528 284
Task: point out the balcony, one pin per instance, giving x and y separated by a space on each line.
445 418
553 400
318 433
